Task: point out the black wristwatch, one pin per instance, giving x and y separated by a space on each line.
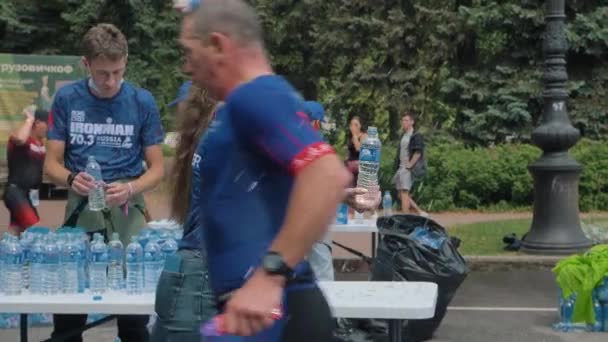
274 264
71 178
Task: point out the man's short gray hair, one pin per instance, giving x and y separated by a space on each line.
234 18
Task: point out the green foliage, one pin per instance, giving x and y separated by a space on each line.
593 187
497 177
471 68
57 26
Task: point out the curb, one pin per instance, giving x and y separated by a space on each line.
511 262
479 263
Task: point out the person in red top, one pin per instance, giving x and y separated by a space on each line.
25 154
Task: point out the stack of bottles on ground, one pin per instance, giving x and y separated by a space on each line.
41 261
583 299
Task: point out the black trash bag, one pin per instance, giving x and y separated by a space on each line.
400 257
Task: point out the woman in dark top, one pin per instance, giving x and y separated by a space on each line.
356 135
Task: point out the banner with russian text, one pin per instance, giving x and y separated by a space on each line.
31 80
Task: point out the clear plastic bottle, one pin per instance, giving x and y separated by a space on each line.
169 247
135 267
98 267
153 264
115 266
50 266
27 239
78 239
97 199
70 257
387 203
2 248
369 161
37 264
13 266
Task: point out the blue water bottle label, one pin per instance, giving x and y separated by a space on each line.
605 315
369 155
342 214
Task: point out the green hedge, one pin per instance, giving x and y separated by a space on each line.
497 177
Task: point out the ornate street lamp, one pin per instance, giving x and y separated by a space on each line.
556 225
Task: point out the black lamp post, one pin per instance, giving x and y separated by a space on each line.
556 225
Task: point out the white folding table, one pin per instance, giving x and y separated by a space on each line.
393 301
112 303
354 226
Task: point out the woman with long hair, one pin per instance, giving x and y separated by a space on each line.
183 297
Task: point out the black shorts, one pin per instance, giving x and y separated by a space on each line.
23 213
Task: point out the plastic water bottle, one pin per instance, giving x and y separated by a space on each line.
115 259
50 266
602 291
163 236
2 249
599 315
144 237
369 163
13 266
369 160
153 264
70 257
97 200
37 264
82 258
169 247
60 240
98 266
27 239
387 203
135 267
605 314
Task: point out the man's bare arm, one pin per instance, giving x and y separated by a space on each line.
156 170
317 191
53 162
413 160
22 133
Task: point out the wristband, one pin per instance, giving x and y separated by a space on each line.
70 179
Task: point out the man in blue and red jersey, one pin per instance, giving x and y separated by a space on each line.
25 156
118 124
270 185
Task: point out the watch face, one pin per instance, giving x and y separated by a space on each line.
273 262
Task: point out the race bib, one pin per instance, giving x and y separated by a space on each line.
35 197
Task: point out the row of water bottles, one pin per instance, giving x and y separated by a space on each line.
45 262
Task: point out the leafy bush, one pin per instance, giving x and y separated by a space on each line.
496 177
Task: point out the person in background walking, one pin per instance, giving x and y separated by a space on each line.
409 156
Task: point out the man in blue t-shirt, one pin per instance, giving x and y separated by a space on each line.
118 124
269 184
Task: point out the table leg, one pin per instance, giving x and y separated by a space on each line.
23 327
394 330
79 331
374 236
